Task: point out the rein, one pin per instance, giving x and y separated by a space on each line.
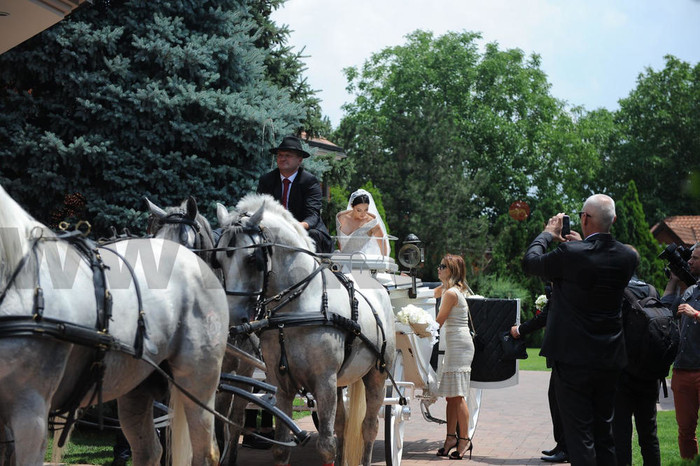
99 338
267 320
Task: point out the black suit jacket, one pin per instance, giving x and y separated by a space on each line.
584 325
536 323
304 196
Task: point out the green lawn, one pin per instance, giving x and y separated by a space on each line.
88 446
534 361
666 421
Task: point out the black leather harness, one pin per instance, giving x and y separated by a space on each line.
97 337
266 308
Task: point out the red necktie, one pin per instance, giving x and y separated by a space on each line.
285 192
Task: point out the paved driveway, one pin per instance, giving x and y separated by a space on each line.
513 427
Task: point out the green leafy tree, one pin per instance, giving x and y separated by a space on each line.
632 228
337 203
132 98
658 145
452 136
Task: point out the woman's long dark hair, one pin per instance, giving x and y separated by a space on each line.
458 272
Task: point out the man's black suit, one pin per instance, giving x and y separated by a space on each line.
527 327
304 202
584 337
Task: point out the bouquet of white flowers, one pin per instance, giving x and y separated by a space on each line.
541 302
420 321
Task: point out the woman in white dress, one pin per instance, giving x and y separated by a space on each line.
455 373
360 227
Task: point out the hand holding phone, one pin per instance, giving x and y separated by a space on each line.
565 226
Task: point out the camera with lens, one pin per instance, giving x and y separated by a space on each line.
677 257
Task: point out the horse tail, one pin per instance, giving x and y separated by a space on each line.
179 444
353 444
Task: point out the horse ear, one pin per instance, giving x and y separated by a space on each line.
191 208
254 221
154 209
221 214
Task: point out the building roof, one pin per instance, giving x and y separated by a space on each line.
324 146
22 19
685 228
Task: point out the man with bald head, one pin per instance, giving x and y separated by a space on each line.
584 338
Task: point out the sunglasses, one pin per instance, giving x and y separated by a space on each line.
441 267
582 213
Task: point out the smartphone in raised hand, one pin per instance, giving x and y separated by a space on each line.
565 226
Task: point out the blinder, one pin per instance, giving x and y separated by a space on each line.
176 218
259 257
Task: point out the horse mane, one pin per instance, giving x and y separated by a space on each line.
251 202
16 226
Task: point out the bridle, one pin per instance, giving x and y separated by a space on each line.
178 218
262 249
265 317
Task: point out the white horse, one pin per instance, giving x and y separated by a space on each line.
186 226
311 342
167 308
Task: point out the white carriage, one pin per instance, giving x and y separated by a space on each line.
413 372
415 378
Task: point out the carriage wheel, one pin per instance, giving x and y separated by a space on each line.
394 420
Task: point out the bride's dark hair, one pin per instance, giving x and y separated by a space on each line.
360 199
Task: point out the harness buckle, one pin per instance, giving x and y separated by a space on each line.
86 225
38 304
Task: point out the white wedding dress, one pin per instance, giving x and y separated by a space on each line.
360 239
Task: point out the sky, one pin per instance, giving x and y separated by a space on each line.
591 50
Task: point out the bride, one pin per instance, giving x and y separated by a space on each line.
360 227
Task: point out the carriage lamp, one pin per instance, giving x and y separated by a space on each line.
411 254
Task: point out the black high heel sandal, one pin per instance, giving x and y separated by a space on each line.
456 455
443 452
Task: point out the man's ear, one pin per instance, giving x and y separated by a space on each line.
614 218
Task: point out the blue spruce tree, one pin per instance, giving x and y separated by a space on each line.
134 97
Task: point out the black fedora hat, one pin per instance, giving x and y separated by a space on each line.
292 143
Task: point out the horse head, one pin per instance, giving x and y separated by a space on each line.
245 265
184 224
261 253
